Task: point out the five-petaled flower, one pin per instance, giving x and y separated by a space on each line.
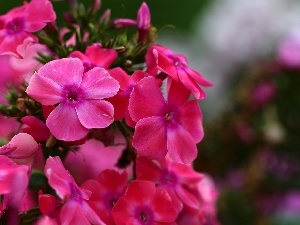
79 97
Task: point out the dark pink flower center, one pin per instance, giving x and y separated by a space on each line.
169 178
15 26
73 94
75 193
144 215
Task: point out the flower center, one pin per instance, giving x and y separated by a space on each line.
72 94
143 217
168 116
15 26
169 178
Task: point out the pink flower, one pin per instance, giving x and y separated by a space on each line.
121 100
144 204
106 190
75 207
19 24
178 179
161 59
13 183
78 95
288 52
82 163
20 149
173 126
95 55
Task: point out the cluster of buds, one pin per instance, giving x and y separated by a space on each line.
103 127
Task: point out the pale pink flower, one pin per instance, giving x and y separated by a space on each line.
180 180
161 59
20 149
288 52
79 97
163 127
106 190
82 163
19 23
144 204
95 55
75 199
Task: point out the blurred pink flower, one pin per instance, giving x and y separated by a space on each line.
170 127
19 23
142 204
79 96
13 183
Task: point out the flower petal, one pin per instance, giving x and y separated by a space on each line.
146 100
181 146
150 137
69 129
101 57
44 90
162 207
95 113
191 119
97 84
67 71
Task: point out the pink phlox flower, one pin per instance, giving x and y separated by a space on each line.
75 199
78 95
82 163
144 204
13 183
20 22
95 55
180 180
20 149
106 190
27 64
121 100
163 127
36 128
161 59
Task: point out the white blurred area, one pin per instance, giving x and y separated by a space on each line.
231 35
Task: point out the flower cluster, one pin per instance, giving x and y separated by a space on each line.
102 127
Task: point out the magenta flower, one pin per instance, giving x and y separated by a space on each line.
36 128
20 149
161 59
75 199
144 204
79 97
19 24
95 55
173 126
180 180
106 191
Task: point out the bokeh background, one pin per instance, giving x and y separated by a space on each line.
251 51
